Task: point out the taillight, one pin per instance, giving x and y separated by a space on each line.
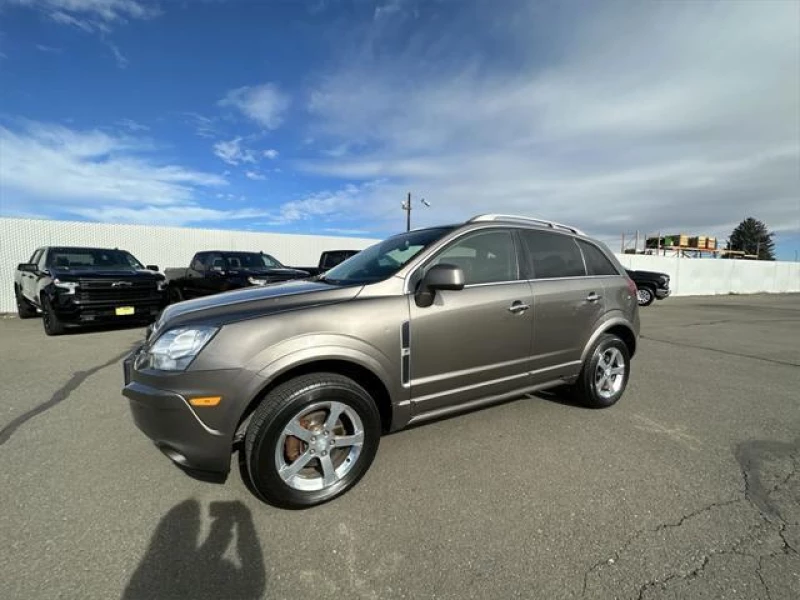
631 286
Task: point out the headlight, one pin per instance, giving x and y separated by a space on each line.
161 285
257 281
66 285
176 348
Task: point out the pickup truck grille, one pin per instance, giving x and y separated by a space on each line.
104 290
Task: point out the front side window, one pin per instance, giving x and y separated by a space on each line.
384 259
486 257
553 255
251 260
597 263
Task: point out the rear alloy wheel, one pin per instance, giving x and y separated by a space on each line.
605 374
311 439
52 324
25 309
645 296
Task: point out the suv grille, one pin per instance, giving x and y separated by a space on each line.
104 290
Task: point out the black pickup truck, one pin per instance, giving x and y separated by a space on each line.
650 286
328 260
80 286
215 271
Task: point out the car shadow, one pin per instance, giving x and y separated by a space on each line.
229 563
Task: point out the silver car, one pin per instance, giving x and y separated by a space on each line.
303 377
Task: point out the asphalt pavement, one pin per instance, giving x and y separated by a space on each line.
688 488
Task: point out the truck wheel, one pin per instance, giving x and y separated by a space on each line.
645 295
605 373
25 309
311 439
52 324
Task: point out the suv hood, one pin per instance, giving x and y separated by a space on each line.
126 274
251 302
649 274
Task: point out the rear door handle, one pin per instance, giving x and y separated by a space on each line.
593 297
518 307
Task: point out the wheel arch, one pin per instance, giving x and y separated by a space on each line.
360 373
618 327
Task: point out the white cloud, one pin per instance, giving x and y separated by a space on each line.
650 116
119 57
91 15
49 49
254 175
132 125
265 104
204 127
233 153
350 203
271 154
96 175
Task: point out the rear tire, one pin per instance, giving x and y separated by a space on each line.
25 309
52 324
605 373
337 427
645 295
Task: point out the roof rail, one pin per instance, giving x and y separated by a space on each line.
521 219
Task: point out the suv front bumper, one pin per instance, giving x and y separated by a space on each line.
167 418
662 293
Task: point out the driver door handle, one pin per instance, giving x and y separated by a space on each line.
518 307
593 297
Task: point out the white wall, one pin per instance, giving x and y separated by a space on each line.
708 276
162 246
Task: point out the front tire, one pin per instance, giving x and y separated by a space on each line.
52 324
605 373
25 309
645 295
311 439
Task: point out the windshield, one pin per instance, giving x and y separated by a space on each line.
383 260
250 260
92 258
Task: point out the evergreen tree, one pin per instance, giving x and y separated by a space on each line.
753 237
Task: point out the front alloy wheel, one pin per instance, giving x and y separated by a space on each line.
319 446
311 439
644 296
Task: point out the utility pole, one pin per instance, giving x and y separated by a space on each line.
407 208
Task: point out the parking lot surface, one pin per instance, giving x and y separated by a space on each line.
688 488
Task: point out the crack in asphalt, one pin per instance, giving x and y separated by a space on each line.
751 456
60 395
774 361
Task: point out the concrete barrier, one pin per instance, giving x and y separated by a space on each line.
710 276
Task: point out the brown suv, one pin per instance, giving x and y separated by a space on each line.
304 376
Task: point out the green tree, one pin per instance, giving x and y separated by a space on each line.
753 237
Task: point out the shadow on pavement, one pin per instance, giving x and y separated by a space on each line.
228 564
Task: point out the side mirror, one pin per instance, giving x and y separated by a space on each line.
152 267
28 267
439 277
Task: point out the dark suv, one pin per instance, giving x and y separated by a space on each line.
78 286
307 374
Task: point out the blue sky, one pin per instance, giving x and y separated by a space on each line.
318 116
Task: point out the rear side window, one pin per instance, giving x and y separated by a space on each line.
597 263
487 257
553 255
